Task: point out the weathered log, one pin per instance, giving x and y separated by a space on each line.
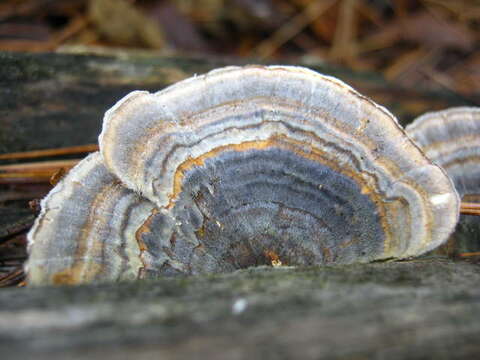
416 309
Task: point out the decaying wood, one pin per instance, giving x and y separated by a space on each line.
423 309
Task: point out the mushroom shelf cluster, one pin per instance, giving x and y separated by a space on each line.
451 139
239 167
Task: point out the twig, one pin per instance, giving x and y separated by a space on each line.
33 172
470 208
344 41
470 205
13 278
468 254
50 152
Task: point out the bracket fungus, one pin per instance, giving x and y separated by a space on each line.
86 229
234 168
451 139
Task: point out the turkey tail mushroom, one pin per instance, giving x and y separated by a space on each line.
257 143
249 164
451 139
86 229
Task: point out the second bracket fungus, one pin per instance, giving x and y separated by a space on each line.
249 164
451 139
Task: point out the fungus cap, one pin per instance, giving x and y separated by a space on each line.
451 139
86 229
249 165
259 140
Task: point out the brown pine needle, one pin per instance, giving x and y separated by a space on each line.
469 205
37 166
344 40
470 212
33 172
50 152
477 253
13 277
468 208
